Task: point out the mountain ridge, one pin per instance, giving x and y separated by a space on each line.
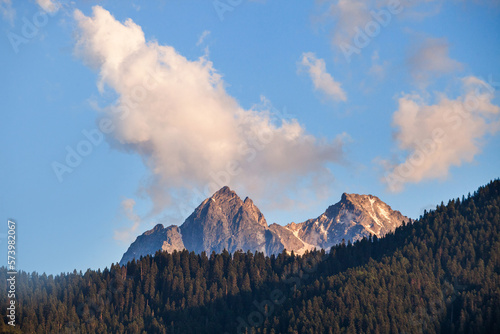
226 222
438 274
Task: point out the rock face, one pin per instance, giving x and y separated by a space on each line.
354 217
224 221
289 240
167 239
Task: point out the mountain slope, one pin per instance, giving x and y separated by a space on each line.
225 221
354 217
439 274
167 239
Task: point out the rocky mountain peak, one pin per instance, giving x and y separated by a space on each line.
156 229
355 202
354 217
357 199
224 194
158 238
224 221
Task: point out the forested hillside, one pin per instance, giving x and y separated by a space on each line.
439 274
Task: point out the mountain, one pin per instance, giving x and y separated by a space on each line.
439 274
354 217
167 239
225 221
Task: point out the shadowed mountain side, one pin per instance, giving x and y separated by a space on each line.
438 274
354 217
167 239
225 221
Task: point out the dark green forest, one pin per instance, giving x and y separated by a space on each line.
438 274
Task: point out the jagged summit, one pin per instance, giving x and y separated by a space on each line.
354 217
224 193
167 239
356 202
357 198
157 228
225 221
352 197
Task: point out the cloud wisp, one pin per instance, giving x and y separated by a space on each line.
7 11
321 79
126 234
430 59
49 6
191 134
202 38
436 137
356 23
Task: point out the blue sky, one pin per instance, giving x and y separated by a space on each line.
163 101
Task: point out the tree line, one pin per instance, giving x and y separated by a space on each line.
437 274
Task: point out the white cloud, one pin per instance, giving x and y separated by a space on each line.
8 13
321 79
357 22
127 234
176 114
430 59
49 6
202 37
348 15
378 69
439 136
